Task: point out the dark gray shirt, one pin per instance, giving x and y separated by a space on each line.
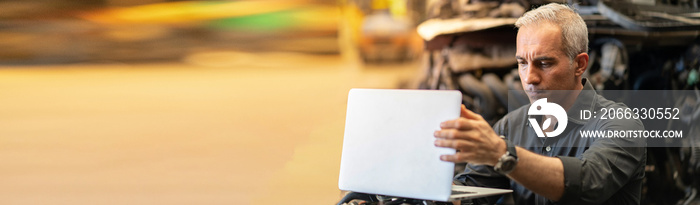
596 170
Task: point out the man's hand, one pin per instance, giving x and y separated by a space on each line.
472 137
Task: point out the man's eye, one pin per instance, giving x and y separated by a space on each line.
522 65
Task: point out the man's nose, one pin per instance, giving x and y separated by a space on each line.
530 76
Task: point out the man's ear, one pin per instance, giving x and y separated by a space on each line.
581 63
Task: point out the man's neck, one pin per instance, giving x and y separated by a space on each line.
569 100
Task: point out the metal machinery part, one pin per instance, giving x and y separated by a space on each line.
608 64
473 62
641 47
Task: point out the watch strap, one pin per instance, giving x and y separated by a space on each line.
510 159
510 148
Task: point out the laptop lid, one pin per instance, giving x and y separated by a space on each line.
388 144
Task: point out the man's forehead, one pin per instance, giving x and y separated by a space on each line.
539 42
535 57
546 30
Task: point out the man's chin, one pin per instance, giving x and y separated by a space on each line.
536 95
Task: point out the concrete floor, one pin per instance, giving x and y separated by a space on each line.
255 129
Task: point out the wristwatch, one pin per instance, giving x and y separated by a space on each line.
507 162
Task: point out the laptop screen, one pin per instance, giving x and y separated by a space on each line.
388 144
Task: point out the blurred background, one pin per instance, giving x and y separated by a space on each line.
243 101
187 102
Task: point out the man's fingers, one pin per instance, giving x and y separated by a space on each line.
459 157
447 134
460 124
469 114
463 112
455 144
456 134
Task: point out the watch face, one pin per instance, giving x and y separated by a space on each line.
508 164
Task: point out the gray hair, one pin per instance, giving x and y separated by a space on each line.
573 29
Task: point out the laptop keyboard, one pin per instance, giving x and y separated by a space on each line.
462 192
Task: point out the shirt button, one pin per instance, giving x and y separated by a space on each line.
548 148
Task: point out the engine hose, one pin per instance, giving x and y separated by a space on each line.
468 102
516 96
497 86
484 98
693 193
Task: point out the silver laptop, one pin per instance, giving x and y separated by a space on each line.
388 145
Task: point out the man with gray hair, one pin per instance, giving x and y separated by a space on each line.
563 168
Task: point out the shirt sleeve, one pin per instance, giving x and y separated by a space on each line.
605 167
484 176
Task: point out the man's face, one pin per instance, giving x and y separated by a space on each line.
542 63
